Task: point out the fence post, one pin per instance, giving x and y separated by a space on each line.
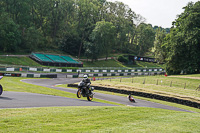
132 79
144 81
185 86
171 84
157 82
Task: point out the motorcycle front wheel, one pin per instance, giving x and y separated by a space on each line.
89 98
1 89
78 93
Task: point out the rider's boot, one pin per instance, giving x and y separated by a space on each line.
91 93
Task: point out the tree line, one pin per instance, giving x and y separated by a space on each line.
77 27
92 28
180 49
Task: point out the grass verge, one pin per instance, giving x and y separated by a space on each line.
102 63
166 86
22 61
98 119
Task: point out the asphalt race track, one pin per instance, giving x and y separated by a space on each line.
27 100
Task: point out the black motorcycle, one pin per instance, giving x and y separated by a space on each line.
1 88
85 91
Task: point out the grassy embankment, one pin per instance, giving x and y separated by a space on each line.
179 87
21 61
98 119
25 61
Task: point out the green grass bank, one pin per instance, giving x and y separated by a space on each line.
26 61
98 119
179 87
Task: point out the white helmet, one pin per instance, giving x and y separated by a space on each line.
85 77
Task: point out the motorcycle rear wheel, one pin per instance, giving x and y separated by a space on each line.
78 93
1 89
89 98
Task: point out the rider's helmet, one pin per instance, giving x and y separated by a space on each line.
85 77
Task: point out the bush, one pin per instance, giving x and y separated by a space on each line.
123 59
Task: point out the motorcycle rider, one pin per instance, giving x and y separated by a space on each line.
87 82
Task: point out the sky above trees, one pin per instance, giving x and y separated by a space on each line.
157 12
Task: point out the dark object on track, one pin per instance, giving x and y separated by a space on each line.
84 91
1 88
131 99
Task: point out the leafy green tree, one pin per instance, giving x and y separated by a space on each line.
158 49
70 43
167 30
103 36
122 18
92 50
69 24
33 40
10 36
87 17
183 42
19 11
145 38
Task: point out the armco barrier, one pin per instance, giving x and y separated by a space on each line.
39 75
88 70
2 69
29 75
147 95
11 74
116 74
